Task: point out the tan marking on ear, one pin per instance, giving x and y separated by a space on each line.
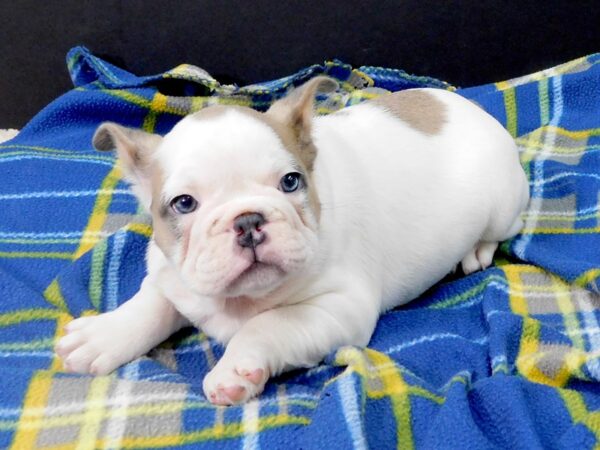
296 109
303 153
417 108
135 149
291 118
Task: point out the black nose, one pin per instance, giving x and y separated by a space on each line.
248 228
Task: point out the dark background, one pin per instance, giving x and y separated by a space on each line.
244 41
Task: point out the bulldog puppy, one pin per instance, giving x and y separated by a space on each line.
284 235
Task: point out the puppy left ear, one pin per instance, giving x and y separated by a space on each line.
296 109
134 150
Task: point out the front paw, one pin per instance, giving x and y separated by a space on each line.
232 382
96 344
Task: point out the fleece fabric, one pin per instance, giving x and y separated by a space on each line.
504 358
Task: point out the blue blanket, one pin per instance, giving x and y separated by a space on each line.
504 358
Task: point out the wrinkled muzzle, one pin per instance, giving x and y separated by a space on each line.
247 247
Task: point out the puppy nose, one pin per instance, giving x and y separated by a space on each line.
248 228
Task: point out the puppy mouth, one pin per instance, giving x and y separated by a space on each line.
257 273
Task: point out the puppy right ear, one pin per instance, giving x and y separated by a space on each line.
134 151
296 109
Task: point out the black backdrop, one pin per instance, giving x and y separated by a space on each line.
464 42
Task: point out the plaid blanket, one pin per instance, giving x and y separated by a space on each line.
504 358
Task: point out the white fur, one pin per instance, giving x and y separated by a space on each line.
400 209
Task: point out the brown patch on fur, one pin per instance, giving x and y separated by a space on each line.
291 118
135 149
417 108
303 153
165 232
296 111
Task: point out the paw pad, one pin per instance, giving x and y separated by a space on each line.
230 384
254 376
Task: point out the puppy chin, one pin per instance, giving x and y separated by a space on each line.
248 277
258 280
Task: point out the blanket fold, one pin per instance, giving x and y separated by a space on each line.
504 358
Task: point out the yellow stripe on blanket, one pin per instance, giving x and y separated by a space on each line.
36 255
534 354
587 278
95 412
510 106
28 315
32 418
140 228
382 379
99 213
579 412
157 106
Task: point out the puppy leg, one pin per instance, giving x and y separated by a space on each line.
470 263
100 344
480 257
485 253
287 337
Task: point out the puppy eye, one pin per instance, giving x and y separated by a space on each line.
290 182
184 204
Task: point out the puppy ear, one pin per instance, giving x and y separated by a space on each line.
134 150
296 109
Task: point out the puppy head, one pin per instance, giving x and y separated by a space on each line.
230 191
